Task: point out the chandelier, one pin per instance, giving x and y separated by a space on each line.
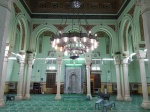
74 43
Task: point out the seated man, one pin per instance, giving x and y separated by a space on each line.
104 96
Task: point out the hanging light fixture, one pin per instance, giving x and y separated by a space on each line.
73 43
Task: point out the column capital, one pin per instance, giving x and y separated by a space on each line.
6 3
30 62
117 62
141 54
21 61
88 62
125 61
59 61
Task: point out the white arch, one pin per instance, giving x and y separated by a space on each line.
112 34
127 18
35 34
19 17
69 27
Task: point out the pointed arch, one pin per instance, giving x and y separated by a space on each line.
125 24
112 34
23 24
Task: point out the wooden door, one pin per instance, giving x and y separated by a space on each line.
50 80
97 81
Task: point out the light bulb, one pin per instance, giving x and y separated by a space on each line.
53 44
65 39
89 32
84 39
60 48
56 47
92 40
66 53
75 38
95 45
87 50
95 35
92 48
58 40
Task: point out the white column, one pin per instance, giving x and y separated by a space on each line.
88 63
58 95
2 84
28 81
5 7
145 11
146 103
20 79
122 81
126 80
119 96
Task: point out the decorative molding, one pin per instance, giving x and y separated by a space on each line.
35 25
40 44
17 10
113 27
131 11
142 28
88 27
23 35
124 36
60 27
50 7
142 45
18 27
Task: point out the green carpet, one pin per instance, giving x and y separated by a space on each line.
46 103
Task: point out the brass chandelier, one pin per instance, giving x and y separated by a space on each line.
73 43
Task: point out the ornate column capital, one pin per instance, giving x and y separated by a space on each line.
125 61
117 62
141 54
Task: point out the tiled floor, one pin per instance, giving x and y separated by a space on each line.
46 103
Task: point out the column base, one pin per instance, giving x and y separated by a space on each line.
2 103
119 97
27 96
18 97
145 104
58 97
89 95
127 98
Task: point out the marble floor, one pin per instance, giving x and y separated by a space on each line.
46 103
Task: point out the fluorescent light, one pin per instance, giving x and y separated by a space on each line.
96 59
145 59
104 59
73 64
12 58
44 58
108 59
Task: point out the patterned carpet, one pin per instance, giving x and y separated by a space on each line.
46 103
